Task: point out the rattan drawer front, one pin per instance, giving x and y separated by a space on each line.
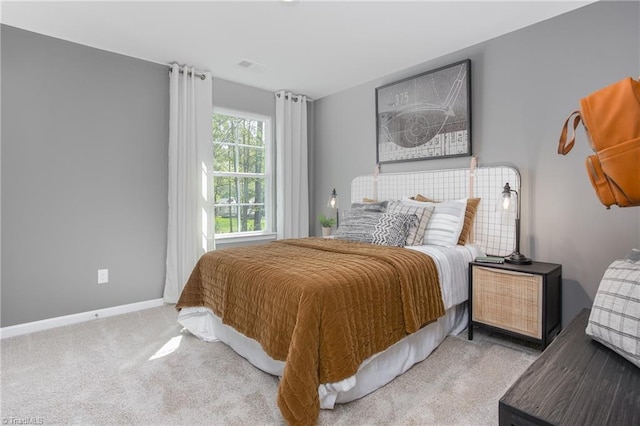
508 300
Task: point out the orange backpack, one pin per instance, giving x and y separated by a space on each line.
611 117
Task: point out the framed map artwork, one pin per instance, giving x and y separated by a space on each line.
426 116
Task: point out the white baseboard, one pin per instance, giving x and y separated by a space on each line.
30 327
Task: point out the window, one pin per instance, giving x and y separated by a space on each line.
241 174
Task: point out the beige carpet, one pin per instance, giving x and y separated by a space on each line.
141 368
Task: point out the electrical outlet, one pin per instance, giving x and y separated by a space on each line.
103 276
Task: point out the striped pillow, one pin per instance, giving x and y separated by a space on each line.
469 216
422 213
615 315
446 222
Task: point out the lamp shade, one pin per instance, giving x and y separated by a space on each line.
333 204
508 201
333 200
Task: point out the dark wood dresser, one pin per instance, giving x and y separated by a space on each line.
575 381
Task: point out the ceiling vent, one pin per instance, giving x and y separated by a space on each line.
245 63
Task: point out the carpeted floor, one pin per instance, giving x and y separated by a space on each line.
141 368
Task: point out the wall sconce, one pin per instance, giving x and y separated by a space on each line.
333 204
507 203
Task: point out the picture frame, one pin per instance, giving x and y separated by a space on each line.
424 117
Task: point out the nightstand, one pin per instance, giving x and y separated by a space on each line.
523 301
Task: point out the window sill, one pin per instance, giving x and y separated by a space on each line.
245 238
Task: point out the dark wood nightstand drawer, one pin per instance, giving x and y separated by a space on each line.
508 299
519 300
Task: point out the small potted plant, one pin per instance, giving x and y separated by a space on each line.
326 223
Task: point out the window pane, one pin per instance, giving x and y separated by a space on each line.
225 190
251 190
223 128
224 157
226 219
250 132
251 160
252 218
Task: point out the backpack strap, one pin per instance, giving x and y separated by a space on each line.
563 146
599 181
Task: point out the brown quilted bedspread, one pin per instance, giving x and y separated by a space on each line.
321 305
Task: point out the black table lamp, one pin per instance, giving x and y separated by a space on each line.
506 203
333 204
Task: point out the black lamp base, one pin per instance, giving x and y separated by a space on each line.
518 259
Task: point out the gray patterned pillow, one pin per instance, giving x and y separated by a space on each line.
377 206
416 233
358 225
615 315
393 229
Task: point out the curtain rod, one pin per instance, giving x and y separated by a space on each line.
294 97
202 76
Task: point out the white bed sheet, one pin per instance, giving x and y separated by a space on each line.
380 368
453 270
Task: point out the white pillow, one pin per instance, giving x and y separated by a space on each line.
615 315
446 221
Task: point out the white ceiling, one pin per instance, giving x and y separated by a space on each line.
312 47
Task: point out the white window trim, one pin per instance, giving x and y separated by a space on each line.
270 232
245 237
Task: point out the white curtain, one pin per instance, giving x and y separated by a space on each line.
292 166
190 161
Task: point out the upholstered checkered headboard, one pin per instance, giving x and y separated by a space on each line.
494 230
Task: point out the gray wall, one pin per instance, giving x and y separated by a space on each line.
84 175
524 85
238 97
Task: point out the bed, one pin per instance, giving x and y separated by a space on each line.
337 319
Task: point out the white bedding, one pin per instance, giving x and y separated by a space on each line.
381 368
